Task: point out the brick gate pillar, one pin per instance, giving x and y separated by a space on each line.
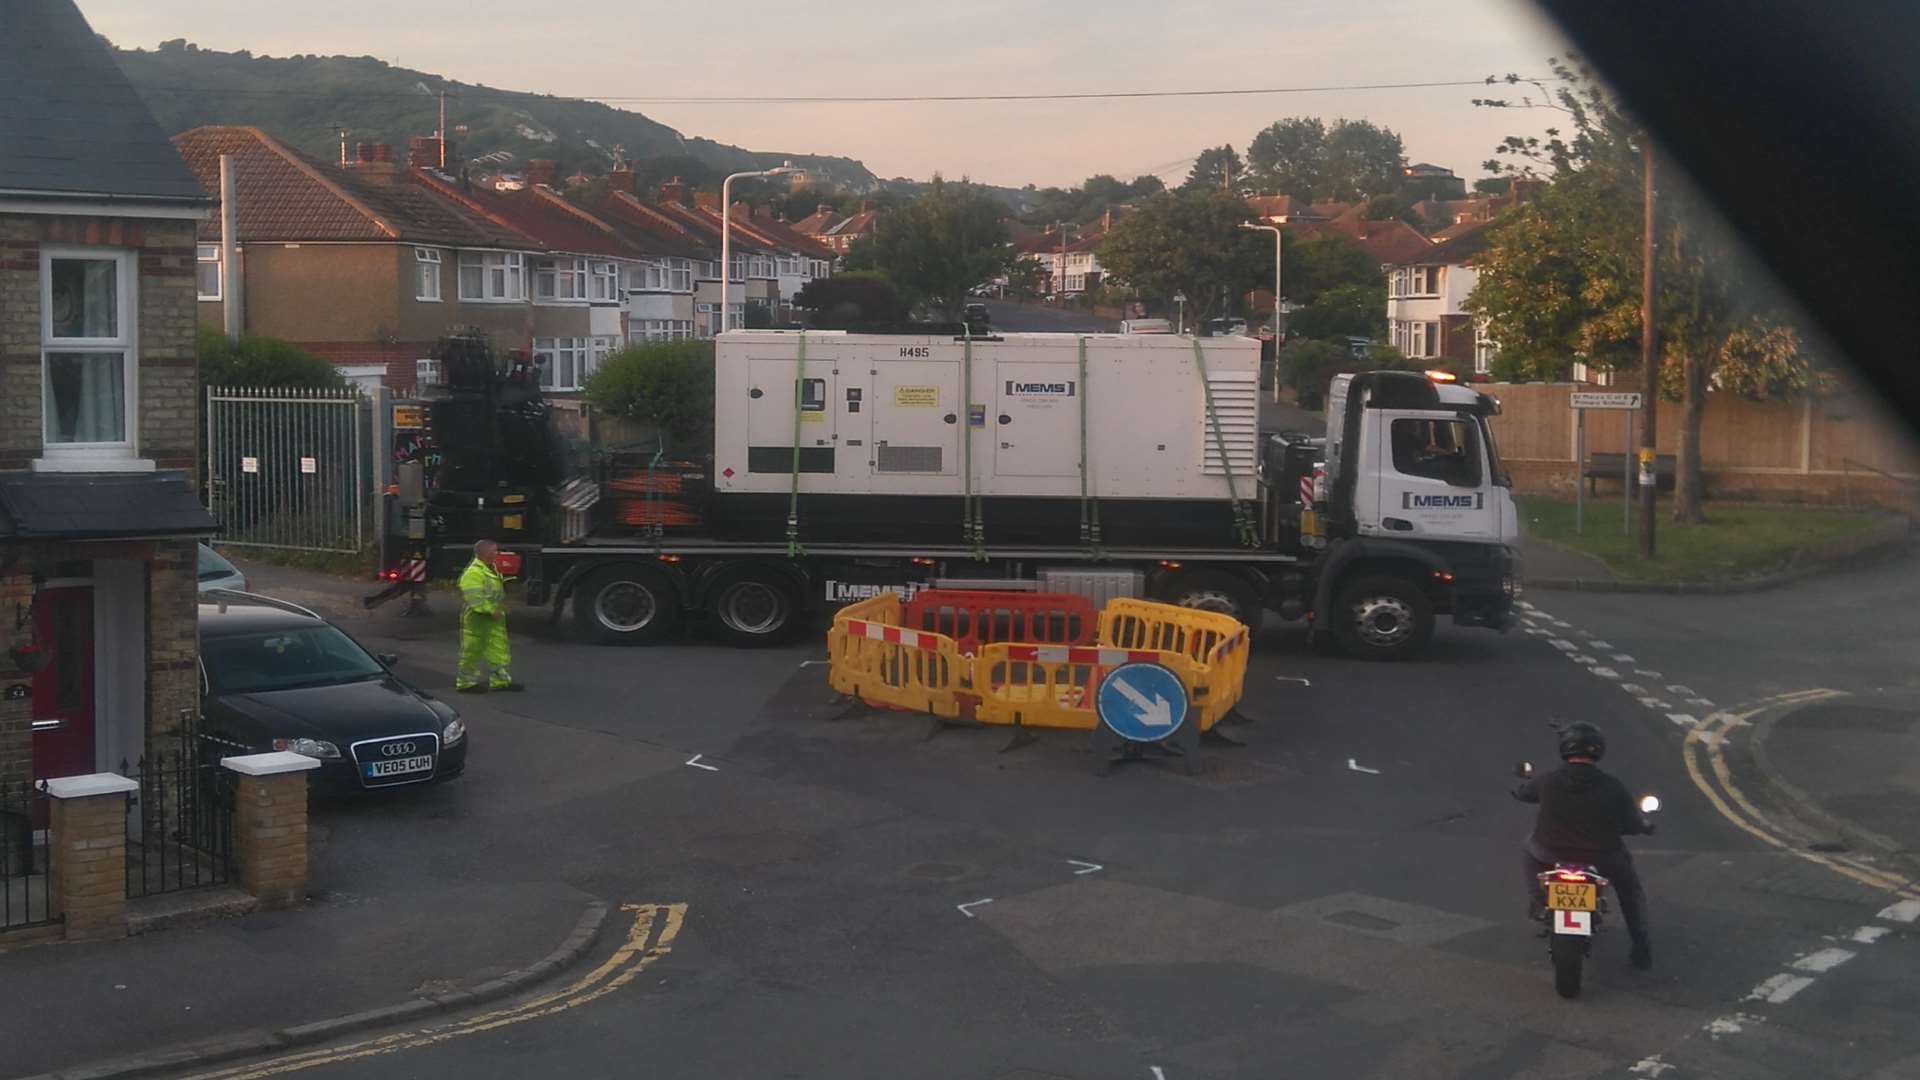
270 825
87 854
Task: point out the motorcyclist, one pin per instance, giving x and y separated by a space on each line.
1584 812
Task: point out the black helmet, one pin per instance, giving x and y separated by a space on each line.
1581 739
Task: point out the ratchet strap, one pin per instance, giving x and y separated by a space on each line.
1242 516
1089 505
794 550
973 521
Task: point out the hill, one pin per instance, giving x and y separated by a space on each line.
306 99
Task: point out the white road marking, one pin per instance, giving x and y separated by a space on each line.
1644 673
1562 623
964 908
814 663
1622 658
1779 989
1683 719
1562 644
695 762
1904 911
1605 672
1538 630
1291 678
1867 935
1683 691
1821 960
1085 866
1652 1066
1731 1025
1705 703
1157 1074
1655 703
1633 688
1603 644
1581 658
1528 606
1357 767
1586 633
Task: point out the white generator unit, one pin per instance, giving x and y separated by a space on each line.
1028 437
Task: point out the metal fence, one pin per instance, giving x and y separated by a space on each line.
180 822
291 468
24 897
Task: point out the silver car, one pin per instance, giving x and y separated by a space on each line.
217 573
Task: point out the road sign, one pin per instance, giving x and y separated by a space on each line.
1587 399
1141 702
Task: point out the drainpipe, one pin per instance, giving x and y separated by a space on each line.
230 299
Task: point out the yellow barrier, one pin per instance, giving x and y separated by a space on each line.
1217 644
1053 686
870 656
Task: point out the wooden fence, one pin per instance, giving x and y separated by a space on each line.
1837 448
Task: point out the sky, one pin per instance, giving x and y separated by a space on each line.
902 47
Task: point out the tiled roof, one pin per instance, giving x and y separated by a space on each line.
783 235
536 212
285 195
855 226
650 230
706 225
71 124
1459 249
1389 242
817 222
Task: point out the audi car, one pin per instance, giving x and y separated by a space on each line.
276 676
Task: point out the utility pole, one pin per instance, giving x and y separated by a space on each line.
440 135
1649 351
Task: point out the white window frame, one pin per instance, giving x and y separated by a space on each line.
760 266
680 275
208 255
566 355
511 267
561 279
427 262
117 455
603 282
1484 349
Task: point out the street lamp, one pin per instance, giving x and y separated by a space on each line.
1275 230
726 240
1181 299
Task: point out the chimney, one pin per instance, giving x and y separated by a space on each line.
707 200
823 208
543 171
423 152
621 178
362 153
382 152
1106 219
674 191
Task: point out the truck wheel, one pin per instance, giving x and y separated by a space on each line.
626 605
752 608
1217 591
1380 617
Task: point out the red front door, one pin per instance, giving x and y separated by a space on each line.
63 690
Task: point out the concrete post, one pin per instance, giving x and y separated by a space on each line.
270 826
87 854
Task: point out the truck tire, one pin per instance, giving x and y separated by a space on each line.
1217 591
1382 617
753 608
626 605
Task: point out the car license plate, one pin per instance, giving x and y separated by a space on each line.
398 766
1572 896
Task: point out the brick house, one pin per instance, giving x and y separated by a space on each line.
1424 318
360 264
98 507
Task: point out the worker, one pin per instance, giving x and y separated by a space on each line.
483 624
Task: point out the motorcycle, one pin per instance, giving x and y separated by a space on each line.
1575 902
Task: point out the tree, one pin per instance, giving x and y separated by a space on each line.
1326 261
668 384
1493 185
261 361
939 245
1343 311
1192 243
1218 168
849 300
1096 195
1287 156
1560 277
1361 159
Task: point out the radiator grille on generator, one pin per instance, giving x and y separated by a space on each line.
922 459
1236 404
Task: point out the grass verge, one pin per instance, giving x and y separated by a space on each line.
364 565
1738 540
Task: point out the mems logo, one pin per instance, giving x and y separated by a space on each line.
1050 389
1413 501
846 592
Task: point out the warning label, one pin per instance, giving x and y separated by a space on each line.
916 397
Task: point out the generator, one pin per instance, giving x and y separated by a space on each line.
1135 440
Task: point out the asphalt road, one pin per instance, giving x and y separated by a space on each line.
1339 897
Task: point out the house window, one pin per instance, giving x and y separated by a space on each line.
492 276
664 329
605 282
87 334
680 275
567 359
560 279
1484 349
426 274
1418 339
1419 281
206 271
760 266
739 272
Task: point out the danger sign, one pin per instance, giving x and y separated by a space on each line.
916 397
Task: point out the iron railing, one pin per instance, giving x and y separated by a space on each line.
291 468
24 897
180 822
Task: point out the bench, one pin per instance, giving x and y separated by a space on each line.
1613 467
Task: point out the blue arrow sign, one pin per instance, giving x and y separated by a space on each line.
1141 702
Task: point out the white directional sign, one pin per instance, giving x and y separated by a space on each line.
1588 399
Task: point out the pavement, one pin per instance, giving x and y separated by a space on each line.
867 894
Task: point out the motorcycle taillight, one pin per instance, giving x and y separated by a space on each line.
1569 875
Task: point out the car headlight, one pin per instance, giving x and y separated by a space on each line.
456 730
313 748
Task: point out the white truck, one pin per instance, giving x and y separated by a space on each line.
843 464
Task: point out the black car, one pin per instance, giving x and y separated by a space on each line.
275 676
977 315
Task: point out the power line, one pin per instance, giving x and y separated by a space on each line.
850 99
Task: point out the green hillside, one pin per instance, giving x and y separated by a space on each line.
305 99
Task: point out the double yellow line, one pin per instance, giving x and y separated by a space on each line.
649 938
1707 766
